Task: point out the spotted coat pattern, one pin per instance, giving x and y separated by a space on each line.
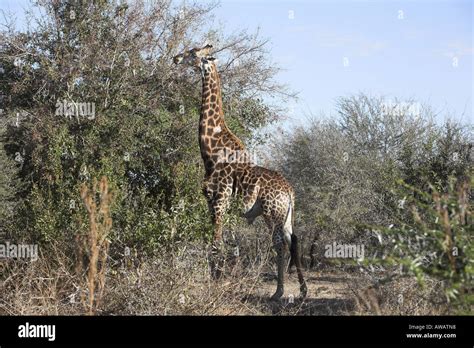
230 172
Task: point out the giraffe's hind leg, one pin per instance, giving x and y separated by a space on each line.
280 248
295 257
296 260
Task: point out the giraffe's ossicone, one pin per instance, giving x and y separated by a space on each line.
229 172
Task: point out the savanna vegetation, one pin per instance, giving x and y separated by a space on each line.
100 168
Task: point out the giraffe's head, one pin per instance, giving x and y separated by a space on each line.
197 58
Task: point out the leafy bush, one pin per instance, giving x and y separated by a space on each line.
143 133
434 237
345 169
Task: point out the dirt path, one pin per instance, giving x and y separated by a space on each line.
328 294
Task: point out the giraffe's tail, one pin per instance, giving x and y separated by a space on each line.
295 257
296 260
289 223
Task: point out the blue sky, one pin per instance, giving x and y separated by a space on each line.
403 49
398 49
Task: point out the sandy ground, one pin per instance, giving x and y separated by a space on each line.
328 294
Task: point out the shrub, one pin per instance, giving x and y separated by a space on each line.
433 237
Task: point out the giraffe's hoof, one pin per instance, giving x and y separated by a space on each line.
277 295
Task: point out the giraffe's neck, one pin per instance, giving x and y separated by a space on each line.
211 123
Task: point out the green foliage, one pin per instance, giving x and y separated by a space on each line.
142 135
434 236
9 185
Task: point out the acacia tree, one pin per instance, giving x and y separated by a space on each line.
89 89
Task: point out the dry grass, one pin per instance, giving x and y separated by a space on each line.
177 282
93 247
399 296
41 287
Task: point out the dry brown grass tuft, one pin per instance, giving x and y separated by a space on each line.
399 296
42 287
93 247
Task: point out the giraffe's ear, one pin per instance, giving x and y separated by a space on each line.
206 50
212 59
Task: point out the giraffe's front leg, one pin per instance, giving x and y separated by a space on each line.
216 200
217 248
280 247
218 206
217 252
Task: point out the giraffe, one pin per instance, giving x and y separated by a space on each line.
230 172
